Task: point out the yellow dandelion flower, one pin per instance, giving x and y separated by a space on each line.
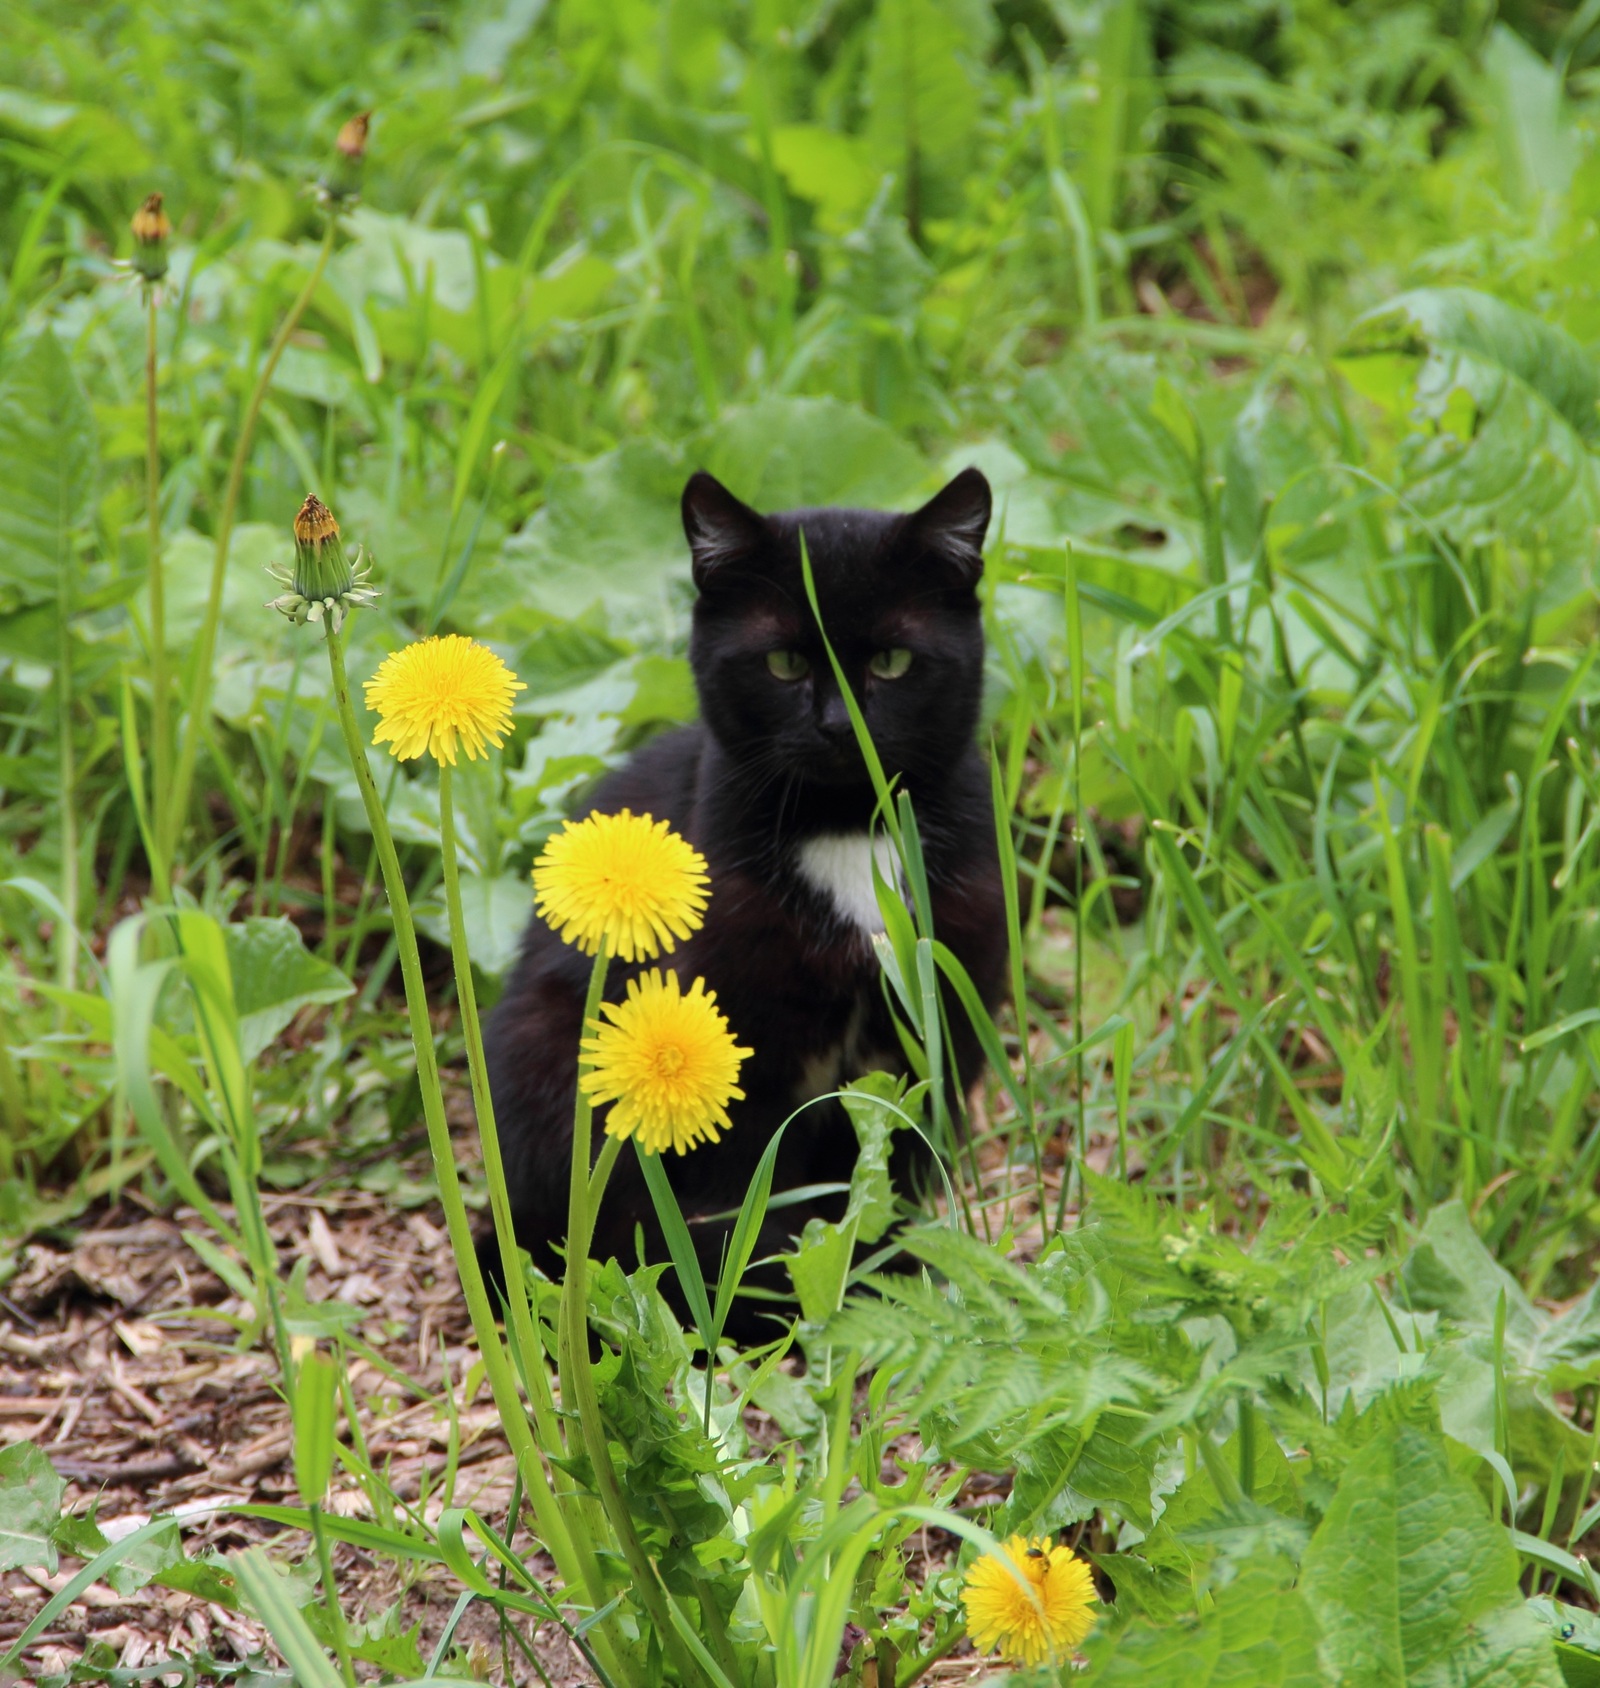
667 1062
1042 1617
439 695
627 879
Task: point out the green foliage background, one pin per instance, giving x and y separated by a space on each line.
1274 326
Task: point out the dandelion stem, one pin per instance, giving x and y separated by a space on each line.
573 1557
160 678
520 1316
200 674
577 1373
603 1163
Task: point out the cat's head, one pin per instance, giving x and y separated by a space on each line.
898 596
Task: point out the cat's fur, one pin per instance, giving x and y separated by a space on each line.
770 786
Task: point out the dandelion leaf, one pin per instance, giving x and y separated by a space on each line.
1413 1583
47 470
30 1507
795 453
1261 1634
1499 412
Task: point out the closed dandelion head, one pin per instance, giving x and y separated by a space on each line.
151 232
442 695
1033 1601
341 181
323 581
667 1064
625 880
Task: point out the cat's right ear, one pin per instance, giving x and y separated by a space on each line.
951 525
720 528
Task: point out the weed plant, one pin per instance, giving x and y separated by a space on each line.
1263 1270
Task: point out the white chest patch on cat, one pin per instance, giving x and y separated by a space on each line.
839 865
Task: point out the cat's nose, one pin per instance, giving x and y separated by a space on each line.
833 720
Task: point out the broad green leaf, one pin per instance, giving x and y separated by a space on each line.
871 1193
821 1264
1260 1634
791 454
609 539
1431 320
570 289
30 1507
47 470
664 691
1071 1472
1273 1484
1449 1271
1501 412
102 145
1412 1582
831 170
495 911
1122 465
245 626
152 1559
1577 1636
1539 144
98 1567
274 977
378 1641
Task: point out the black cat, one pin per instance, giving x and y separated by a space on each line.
771 787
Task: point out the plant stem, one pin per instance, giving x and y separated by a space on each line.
200 680
160 679
577 1567
330 1598
577 1372
521 1316
1079 927
67 935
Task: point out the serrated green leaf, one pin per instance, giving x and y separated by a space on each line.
821 1264
151 1560
923 93
1069 1473
1501 408
1412 1582
1261 1634
47 469
30 1508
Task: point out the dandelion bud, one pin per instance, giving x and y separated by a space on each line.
320 569
151 232
323 581
342 180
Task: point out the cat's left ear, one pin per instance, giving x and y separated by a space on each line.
951 525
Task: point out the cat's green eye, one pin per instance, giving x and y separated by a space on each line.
787 665
889 665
